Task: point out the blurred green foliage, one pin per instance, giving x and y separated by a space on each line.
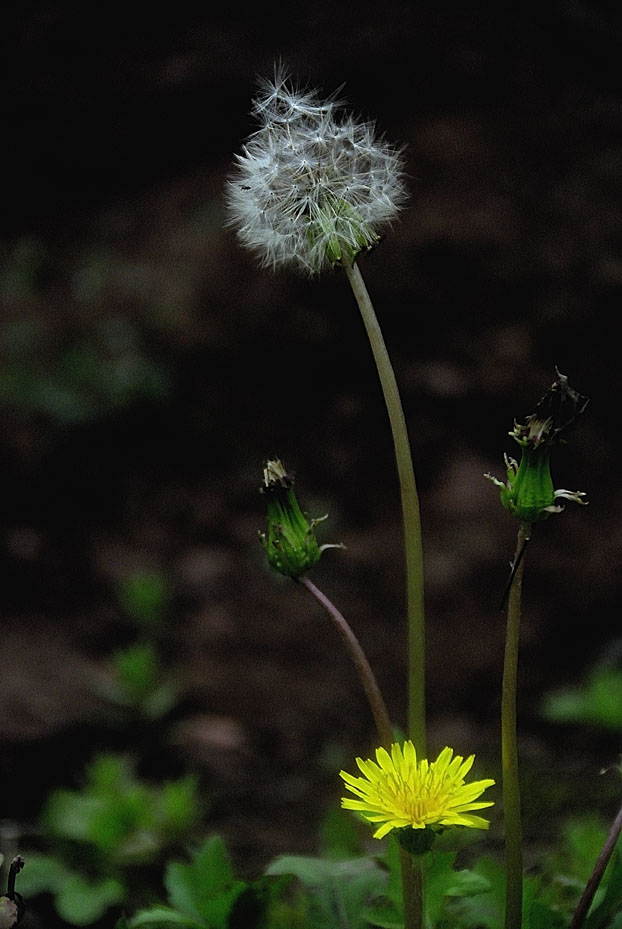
355 890
101 836
201 893
137 685
144 596
22 268
597 701
117 817
73 377
105 836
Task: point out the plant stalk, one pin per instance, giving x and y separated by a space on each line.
412 874
412 889
367 676
509 745
410 512
596 876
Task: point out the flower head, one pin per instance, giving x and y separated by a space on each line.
313 186
528 493
290 540
400 792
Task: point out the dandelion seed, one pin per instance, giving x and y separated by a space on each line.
400 792
312 186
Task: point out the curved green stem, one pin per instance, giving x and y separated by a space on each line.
509 746
410 513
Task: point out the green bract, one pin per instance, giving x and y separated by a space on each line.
528 493
339 232
290 540
416 841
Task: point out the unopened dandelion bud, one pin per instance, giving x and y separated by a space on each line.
313 186
290 539
529 494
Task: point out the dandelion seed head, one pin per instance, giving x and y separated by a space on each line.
313 185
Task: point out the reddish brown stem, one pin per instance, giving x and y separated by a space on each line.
596 876
368 679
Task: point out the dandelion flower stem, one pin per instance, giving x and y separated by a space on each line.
410 512
412 889
509 746
412 874
368 679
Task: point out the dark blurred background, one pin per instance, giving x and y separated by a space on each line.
149 366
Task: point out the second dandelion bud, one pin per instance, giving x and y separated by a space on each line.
313 186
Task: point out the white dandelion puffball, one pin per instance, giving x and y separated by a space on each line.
312 186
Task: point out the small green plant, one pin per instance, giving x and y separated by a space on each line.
137 686
77 382
103 836
596 701
205 894
345 888
144 597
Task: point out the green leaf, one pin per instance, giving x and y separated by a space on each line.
611 901
178 805
340 891
44 873
160 701
217 910
312 872
119 819
393 861
384 917
145 596
69 815
541 916
339 835
270 903
445 890
581 844
205 888
160 917
439 880
443 881
597 701
81 902
485 910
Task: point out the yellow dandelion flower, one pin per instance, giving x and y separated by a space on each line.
401 791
